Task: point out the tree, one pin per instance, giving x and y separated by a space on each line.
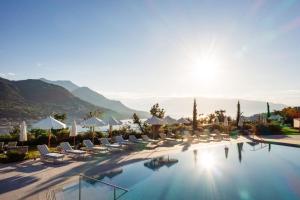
96 113
220 114
238 115
136 120
60 117
195 123
143 126
157 111
268 110
290 113
211 117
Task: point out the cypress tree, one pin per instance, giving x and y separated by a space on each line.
268 110
238 115
195 115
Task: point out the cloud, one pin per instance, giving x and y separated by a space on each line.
11 74
7 75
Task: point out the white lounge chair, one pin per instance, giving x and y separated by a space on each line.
164 137
120 140
108 145
89 146
133 139
46 155
147 139
66 147
11 145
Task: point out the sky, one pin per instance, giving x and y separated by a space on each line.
246 49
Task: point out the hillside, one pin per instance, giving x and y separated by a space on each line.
97 99
34 99
88 95
63 83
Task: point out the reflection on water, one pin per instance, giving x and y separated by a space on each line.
240 149
195 156
205 173
226 152
256 146
159 162
110 174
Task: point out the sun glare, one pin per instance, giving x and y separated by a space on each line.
207 160
205 68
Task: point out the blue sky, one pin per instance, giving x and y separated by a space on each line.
127 49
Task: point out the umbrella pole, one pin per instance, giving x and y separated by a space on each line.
93 134
49 138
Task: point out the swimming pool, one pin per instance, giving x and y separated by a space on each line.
237 171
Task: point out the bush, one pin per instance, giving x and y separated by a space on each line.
270 129
14 156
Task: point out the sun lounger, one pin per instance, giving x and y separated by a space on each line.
147 139
120 140
108 145
46 155
225 136
187 135
89 146
66 147
133 139
164 137
11 145
203 136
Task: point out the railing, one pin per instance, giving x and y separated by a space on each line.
115 187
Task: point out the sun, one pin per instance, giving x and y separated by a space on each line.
205 68
207 160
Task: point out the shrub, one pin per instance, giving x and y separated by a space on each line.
270 129
14 156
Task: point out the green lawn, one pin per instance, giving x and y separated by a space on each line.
286 130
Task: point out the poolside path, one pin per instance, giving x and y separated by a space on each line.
33 179
293 140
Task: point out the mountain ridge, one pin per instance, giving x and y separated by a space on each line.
95 98
182 106
34 99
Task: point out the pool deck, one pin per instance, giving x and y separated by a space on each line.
33 179
288 140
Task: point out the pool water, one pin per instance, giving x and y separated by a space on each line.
237 171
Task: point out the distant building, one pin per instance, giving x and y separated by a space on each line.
276 117
297 123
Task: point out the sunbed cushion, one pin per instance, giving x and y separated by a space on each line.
76 151
54 155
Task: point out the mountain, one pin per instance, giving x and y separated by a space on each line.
97 99
65 84
34 99
182 106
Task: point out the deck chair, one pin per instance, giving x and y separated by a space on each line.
46 155
120 140
147 139
108 145
133 139
11 145
67 149
89 146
